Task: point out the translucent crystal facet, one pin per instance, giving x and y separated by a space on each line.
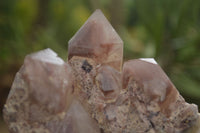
98 40
49 79
75 120
79 120
109 80
152 78
155 96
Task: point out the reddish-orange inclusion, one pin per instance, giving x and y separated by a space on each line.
98 40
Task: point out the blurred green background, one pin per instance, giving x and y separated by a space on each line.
167 30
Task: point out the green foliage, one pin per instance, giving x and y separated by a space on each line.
173 27
168 30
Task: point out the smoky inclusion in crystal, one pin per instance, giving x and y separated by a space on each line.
98 40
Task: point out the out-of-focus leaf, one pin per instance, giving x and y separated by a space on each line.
186 85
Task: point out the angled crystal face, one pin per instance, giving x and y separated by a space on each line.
152 79
98 40
41 91
109 81
75 120
79 121
49 79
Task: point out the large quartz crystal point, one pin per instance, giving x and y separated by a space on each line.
42 89
156 97
98 40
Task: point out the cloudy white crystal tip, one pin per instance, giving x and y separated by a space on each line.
150 60
47 55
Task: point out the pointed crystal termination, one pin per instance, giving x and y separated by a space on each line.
151 77
151 87
98 40
49 79
76 120
41 90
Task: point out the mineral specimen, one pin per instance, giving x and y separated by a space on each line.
98 40
90 94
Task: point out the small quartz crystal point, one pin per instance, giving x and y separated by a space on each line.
98 40
109 80
75 120
155 96
79 121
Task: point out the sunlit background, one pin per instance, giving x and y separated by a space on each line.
167 30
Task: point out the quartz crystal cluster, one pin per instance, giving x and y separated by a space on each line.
93 93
